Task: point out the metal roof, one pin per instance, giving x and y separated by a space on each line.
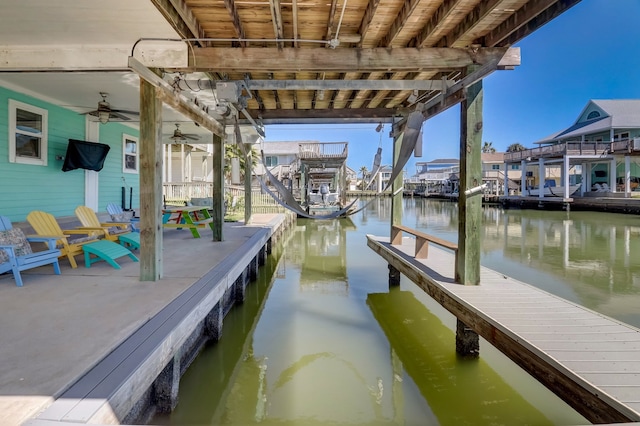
619 114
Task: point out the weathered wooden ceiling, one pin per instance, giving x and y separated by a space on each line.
352 59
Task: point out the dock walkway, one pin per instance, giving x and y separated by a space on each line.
68 342
589 360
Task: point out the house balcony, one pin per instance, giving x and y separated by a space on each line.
336 152
624 146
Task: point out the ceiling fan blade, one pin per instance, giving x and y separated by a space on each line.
116 115
192 137
126 111
94 113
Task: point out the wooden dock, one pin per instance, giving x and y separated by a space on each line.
589 360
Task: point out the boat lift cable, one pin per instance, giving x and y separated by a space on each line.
407 141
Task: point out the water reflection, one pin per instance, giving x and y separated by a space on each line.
322 252
322 341
423 346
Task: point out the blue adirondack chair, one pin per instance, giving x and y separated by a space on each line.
119 215
16 254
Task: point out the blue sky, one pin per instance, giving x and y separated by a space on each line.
591 51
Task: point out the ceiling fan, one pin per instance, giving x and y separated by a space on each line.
179 136
106 113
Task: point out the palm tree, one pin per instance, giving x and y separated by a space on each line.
516 147
234 151
488 148
364 172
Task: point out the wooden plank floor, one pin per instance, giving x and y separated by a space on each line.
589 360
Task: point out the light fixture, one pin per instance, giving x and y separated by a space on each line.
413 97
103 116
379 128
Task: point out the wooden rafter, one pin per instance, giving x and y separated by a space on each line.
330 19
526 20
276 18
369 13
438 19
408 7
235 19
275 93
255 93
473 19
180 17
294 12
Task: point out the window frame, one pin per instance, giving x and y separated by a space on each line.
125 139
621 136
270 160
14 105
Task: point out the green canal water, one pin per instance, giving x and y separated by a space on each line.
321 340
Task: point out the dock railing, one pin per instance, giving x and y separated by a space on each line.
422 242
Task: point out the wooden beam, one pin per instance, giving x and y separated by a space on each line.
276 19
178 101
294 11
470 205
526 20
235 18
330 116
407 9
435 22
455 93
151 150
224 59
369 13
330 19
180 17
472 20
332 84
217 209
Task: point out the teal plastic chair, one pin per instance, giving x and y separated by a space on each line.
16 254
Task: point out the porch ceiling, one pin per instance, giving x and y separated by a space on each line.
299 61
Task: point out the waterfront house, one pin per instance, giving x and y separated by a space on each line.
439 175
442 176
601 148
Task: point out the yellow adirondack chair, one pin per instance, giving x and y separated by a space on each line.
108 230
45 225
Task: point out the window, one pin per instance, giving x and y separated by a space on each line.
495 167
621 136
515 167
271 161
592 115
129 154
27 134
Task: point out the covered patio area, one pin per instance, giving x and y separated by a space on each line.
57 327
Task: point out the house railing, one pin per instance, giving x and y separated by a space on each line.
558 150
311 150
185 191
179 193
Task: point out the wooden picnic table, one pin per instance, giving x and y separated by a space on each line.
191 217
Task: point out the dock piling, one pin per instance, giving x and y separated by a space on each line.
394 276
467 340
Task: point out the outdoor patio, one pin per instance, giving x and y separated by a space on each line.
56 327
